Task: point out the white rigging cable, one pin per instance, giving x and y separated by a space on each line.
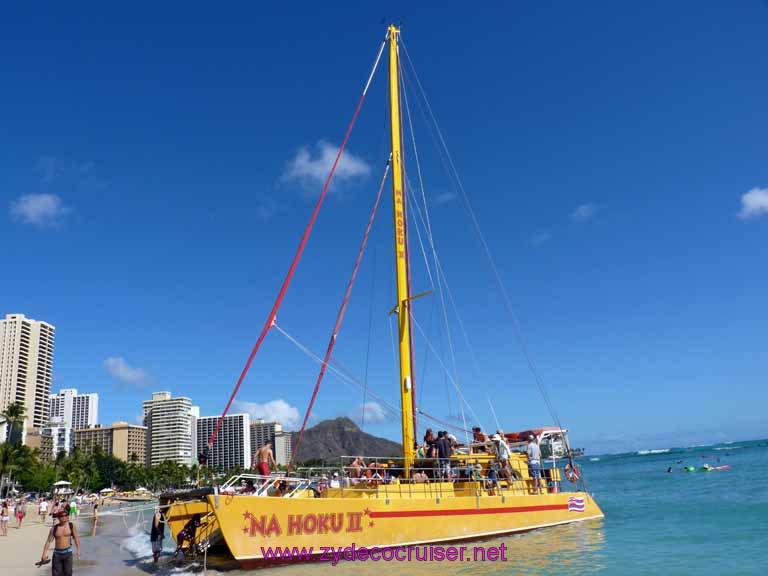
344 377
497 275
428 229
447 373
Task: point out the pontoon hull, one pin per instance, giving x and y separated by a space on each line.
250 525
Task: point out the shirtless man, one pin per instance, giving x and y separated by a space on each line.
265 457
356 467
62 533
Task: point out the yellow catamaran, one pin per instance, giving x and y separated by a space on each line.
396 505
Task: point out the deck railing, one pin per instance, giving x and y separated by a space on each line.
475 474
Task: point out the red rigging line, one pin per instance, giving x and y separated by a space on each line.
340 315
305 237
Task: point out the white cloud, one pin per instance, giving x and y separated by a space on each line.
275 410
311 165
119 369
584 212
444 198
39 209
540 238
373 412
754 203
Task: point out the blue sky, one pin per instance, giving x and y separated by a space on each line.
159 162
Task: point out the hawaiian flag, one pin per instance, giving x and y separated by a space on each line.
575 504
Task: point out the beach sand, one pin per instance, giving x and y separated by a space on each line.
22 547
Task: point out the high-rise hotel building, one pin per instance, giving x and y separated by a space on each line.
232 447
76 410
121 440
263 432
170 425
26 363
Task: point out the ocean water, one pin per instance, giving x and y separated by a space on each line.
702 523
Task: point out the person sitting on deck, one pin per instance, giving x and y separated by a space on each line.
493 479
188 533
281 489
375 472
477 472
416 477
479 440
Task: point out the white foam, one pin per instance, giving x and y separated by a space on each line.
137 542
658 451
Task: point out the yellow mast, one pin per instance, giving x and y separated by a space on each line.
404 339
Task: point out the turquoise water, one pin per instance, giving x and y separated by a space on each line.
703 523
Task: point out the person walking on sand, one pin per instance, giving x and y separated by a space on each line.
21 511
157 534
4 518
62 534
95 518
43 510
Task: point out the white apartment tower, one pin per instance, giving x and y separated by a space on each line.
77 410
170 423
232 447
61 433
26 363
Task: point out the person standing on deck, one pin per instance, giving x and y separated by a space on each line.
444 450
430 444
534 462
62 534
479 440
502 456
264 458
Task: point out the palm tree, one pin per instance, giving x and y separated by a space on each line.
13 458
12 414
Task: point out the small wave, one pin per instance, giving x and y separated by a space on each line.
729 447
137 543
659 451
594 459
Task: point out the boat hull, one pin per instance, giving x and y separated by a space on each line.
179 512
250 525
